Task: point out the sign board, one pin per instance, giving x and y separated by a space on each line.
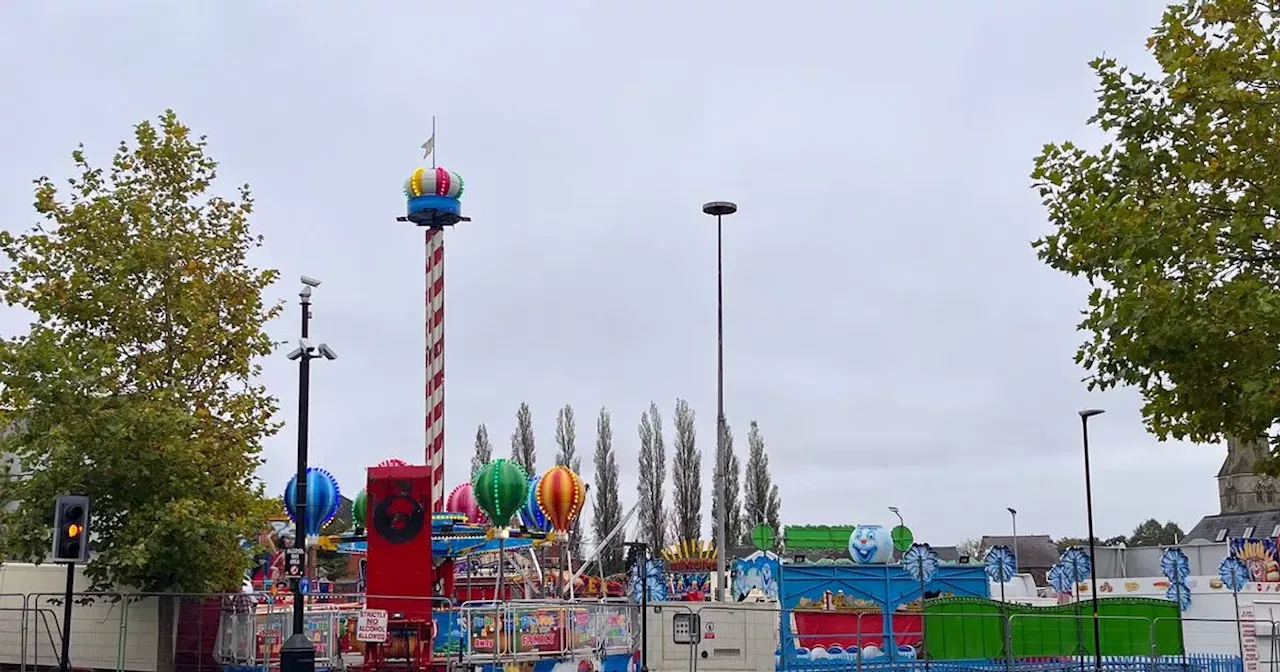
293 558
371 626
304 586
1249 639
709 630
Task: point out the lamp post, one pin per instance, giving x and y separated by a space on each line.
897 513
719 209
297 654
1088 498
1013 513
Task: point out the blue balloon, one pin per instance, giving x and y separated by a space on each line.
323 499
531 514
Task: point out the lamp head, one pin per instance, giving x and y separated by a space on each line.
719 208
1012 511
893 509
1090 412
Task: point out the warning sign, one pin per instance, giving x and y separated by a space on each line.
293 558
1249 639
371 626
710 632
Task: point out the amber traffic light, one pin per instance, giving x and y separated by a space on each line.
71 529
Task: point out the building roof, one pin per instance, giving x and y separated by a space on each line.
1234 525
1035 551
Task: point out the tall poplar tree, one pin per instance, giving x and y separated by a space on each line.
484 450
763 502
652 477
735 530
567 456
523 450
686 476
608 504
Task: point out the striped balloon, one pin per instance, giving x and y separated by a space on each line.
531 515
561 496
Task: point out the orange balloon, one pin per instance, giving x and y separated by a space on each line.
561 496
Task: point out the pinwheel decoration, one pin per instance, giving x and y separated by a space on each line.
1234 573
1076 564
323 499
654 576
1000 564
1060 580
1174 565
920 562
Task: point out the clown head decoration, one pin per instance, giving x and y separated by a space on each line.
870 545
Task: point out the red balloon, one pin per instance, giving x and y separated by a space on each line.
462 500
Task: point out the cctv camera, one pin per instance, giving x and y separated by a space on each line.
305 344
295 353
327 352
308 280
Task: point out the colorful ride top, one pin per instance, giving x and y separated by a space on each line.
432 195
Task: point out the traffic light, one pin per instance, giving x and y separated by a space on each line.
71 529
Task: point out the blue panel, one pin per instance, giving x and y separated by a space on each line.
442 204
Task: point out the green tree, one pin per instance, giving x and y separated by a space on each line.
686 476
1152 533
1173 224
608 504
567 456
484 450
762 501
523 450
651 479
135 384
735 530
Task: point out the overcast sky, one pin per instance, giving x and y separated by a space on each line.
886 319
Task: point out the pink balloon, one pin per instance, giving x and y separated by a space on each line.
461 500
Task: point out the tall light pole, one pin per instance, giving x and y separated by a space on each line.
719 209
1088 498
1013 513
897 513
298 654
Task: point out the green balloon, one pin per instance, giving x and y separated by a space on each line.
902 538
500 488
360 509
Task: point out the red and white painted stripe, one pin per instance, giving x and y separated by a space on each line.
435 365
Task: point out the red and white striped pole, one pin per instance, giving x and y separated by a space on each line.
434 421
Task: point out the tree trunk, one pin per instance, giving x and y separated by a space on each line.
165 626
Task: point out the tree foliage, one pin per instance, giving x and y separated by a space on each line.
608 504
686 475
651 479
973 548
763 504
567 456
735 530
484 450
1173 223
1152 533
135 384
523 450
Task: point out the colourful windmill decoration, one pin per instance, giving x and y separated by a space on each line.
500 488
561 496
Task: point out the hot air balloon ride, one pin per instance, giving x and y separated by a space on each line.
462 500
500 487
323 498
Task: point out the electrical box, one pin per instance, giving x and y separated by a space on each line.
686 628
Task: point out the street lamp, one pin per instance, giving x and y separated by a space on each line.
895 511
298 654
719 209
1088 498
1013 513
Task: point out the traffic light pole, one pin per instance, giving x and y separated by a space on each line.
66 617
